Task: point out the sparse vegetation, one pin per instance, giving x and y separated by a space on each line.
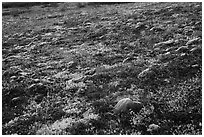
64 68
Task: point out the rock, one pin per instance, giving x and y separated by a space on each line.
126 48
73 28
164 43
54 16
136 106
16 101
90 72
129 59
139 27
144 73
153 128
98 54
36 80
40 18
59 23
197 6
167 56
20 78
72 65
11 40
130 20
157 49
198 23
175 15
156 29
42 43
39 98
196 66
38 88
194 41
126 104
104 18
182 49
13 77
196 51
88 24
171 49
183 55
62 75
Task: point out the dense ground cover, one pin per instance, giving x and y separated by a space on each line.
64 67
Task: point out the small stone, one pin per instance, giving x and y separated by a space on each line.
72 65
196 66
196 51
139 27
198 23
90 72
59 23
16 101
88 24
175 15
182 49
39 98
37 88
24 73
98 54
130 20
164 43
156 29
157 49
183 55
104 18
144 73
20 78
13 77
128 59
54 16
36 80
194 41
171 49
167 56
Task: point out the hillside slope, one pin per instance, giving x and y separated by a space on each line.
64 67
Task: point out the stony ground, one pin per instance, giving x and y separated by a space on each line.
65 66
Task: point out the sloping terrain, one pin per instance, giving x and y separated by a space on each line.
64 67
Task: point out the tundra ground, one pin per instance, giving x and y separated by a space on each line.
65 65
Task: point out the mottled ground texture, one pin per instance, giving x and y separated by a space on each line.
66 65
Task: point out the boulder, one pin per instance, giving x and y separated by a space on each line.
126 104
153 128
